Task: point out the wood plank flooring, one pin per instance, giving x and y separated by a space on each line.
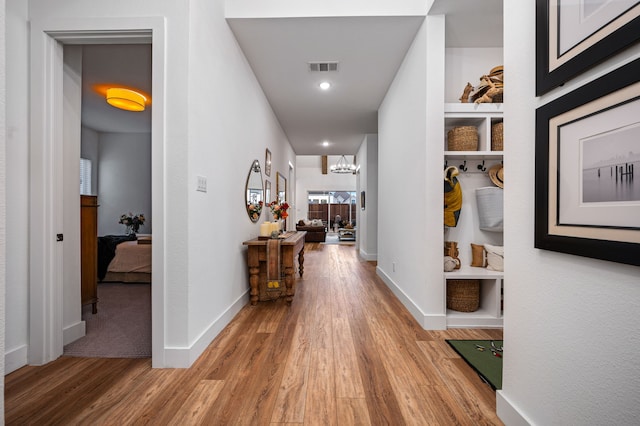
346 352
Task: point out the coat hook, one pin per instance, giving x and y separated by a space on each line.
463 166
482 167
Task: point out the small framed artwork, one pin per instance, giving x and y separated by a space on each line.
267 163
587 194
267 191
573 36
362 200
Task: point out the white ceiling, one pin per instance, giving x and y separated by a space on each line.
369 51
118 65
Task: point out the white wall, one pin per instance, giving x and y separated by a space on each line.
571 324
367 181
230 125
411 262
290 8
17 172
309 177
3 217
124 180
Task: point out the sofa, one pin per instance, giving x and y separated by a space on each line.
316 231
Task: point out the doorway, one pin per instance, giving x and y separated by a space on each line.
47 312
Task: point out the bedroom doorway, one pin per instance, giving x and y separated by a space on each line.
115 150
51 321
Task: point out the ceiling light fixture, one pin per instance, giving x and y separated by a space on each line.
325 85
126 99
325 144
343 166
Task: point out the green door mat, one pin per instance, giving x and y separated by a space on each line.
484 357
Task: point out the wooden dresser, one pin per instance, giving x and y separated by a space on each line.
89 250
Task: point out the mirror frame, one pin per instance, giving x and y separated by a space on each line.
254 214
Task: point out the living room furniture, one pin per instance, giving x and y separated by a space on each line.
315 233
267 255
347 234
89 250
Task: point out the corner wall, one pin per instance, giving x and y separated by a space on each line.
571 324
367 182
409 178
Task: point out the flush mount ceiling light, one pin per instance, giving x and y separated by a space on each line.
325 143
126 99
325 85
343 166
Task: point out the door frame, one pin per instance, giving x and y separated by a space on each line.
45 186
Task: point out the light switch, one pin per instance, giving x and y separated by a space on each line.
202 184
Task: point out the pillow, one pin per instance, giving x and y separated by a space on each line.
316 222
307 222
495 257
301 222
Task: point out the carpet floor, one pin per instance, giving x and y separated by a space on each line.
122 326
483 357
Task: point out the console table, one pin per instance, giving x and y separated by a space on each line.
262 262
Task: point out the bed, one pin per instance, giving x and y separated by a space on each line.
124 259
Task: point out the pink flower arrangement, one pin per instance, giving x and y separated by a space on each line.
279 211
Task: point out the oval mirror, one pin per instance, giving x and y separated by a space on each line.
255 192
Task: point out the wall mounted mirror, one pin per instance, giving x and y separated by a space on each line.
254 192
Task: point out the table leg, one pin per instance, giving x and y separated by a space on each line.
301 261
253 282
290 282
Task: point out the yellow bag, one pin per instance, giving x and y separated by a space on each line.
452 196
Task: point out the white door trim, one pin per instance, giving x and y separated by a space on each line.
45 186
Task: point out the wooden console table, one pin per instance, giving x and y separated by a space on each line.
290 247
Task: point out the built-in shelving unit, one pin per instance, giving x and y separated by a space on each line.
477 163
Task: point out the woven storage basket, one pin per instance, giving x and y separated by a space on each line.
463 295
496 137
463 138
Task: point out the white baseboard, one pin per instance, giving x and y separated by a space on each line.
369 257
427 321
74 332
177 357
15 359
508 413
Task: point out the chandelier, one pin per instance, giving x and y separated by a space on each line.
343 166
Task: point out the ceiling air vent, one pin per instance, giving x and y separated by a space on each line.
323 66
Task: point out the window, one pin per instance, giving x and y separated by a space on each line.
85 176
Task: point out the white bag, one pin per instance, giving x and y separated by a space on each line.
490 201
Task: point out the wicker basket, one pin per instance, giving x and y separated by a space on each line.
496 137
463 138
463 295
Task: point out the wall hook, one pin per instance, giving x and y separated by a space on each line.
482 167
446 164
463 166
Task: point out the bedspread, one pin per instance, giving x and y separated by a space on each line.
131 257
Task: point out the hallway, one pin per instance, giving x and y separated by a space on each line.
346 352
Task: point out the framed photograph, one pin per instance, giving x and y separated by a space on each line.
574 35
587 183
267 162
362 200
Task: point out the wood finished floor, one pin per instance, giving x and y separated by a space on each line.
346 352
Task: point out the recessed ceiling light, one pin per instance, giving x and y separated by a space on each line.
325 143
325 85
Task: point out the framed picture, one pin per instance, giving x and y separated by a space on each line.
572 36
362 200
587 192
267 162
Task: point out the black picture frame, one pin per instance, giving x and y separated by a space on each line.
612 37
613 243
